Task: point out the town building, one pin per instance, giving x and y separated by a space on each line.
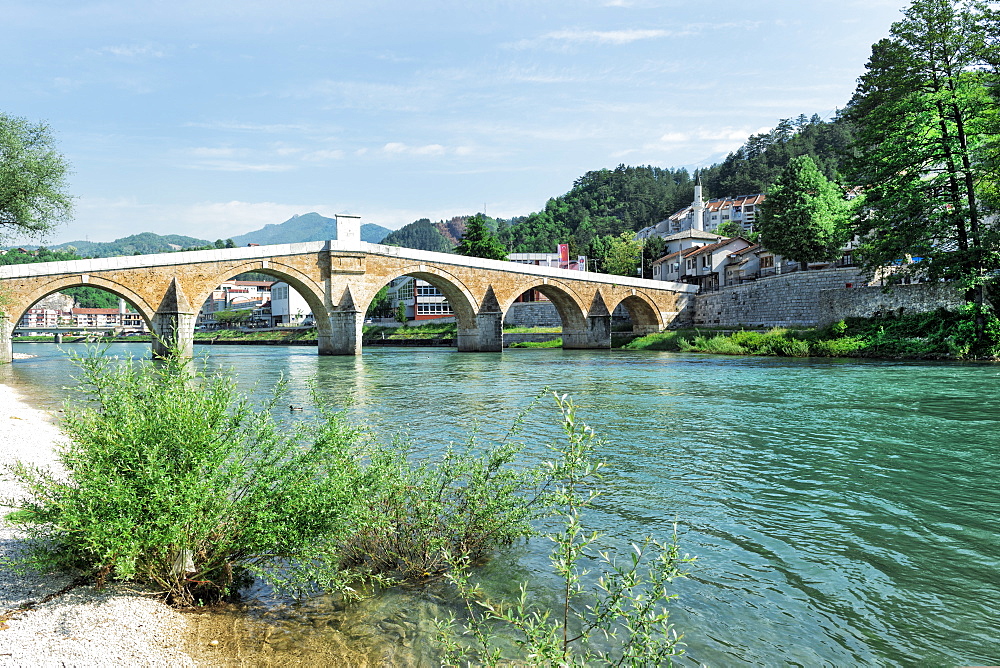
253 296
288 307
707 216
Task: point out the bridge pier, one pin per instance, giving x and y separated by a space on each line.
345 334
486 334
6 345
485 337
596 334
596 330
173 324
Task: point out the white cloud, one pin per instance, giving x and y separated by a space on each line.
399 148
238 166
576 36
132 51
322 155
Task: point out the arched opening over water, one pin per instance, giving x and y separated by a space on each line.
636 313
70 304
545 304
256 298
420 296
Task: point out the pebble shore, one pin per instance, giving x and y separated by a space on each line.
83 627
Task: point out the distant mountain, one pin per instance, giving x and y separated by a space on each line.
421 234
137 244
307 227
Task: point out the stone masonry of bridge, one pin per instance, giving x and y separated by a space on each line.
339 279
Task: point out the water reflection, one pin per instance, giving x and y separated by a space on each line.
843 513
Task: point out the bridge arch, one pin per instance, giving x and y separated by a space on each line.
571 307
463 303
642 310
21 304
303 284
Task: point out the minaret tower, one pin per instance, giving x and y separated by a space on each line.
698 208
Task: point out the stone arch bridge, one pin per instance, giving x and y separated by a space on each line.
339 279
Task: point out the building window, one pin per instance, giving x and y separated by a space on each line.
434 308
428 291
767 262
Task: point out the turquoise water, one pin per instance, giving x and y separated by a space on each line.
842 512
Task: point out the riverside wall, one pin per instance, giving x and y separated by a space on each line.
816 299
869 301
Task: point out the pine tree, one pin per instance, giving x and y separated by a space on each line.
480 241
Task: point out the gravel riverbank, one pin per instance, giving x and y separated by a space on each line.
83 627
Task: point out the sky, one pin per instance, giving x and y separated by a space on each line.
211 119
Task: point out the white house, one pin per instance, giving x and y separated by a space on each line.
288 307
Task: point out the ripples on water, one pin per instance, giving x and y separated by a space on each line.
842 512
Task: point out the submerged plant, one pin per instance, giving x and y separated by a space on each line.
626 605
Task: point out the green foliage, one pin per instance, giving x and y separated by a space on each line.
927 153
805 217
730 229
227 318
627 603
621 255
41 254
755 166
88 297
603 203
937 335
381 305
174 479
421 234
418 512
32 179
480 241
551 343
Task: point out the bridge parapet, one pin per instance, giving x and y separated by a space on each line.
339 279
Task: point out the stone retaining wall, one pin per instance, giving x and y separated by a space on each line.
532 314
785 300
816 299
869 301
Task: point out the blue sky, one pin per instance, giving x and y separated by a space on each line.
212 119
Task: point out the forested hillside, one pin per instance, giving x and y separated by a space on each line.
422 234
755 165
605 203
137 244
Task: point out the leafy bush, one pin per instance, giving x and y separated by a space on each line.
551 343
667 340
417 513
172 478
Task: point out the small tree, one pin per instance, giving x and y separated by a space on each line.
32 178
730 229
235 317
480 241
805 217
623 254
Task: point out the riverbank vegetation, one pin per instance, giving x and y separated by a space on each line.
938 335
174 480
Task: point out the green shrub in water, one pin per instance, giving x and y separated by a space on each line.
627 603
174 479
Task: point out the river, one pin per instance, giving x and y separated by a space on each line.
842 512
